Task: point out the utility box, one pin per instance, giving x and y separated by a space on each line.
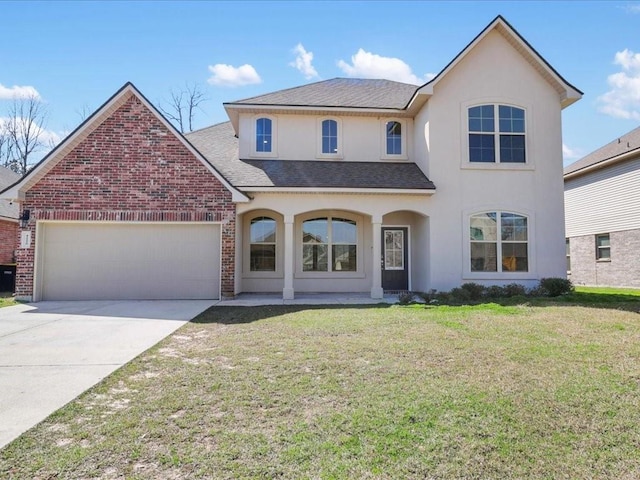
7 278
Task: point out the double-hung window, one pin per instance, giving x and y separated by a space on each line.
329 244
329 137
394 138
262 245
497 134
264 135
499 242
603 247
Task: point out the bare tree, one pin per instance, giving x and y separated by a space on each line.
6 145
182 105
25 132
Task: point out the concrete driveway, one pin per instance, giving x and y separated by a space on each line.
51 352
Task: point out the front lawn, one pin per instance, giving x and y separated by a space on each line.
489 391
6 299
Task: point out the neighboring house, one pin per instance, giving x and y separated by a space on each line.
345 185
602 204
8 219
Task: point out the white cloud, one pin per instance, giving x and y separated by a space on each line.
632 8
569 153
230 76
17 91
303 62
370 65
623 100
48 138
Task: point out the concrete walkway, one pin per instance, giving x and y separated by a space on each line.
258 299
51 352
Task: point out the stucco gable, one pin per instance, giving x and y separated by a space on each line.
128 92
568 93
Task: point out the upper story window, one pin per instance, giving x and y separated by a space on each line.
394 138
329 137
499 242
329 244
497 134
262 245
264 135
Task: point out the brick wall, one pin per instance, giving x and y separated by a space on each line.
622 271
130 168
8 241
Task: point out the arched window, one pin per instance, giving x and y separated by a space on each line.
329 137
394 138
497 142
499 242
329 244
262 245
263 135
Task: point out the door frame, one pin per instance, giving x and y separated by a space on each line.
408 227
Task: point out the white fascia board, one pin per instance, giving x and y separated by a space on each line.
312 108
383 191
603 164
9 219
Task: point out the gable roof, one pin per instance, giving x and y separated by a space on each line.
220 146
568 93
16 190
622 148
8 210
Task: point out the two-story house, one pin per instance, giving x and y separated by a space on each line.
602 203
345 185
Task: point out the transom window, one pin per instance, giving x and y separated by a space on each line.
329 244
264 135
499 242
603 247
262 245
394 138
497 142
330 137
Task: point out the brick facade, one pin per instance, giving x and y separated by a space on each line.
8 241
131 168
622 271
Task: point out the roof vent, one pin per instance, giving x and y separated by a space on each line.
618 140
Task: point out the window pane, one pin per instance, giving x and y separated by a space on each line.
481 148
344 231
344 258
514 257
511 119
603 240
484 257
263 135
263 258
481 119
329 136
394 138
315 231
263 230
314 258
513 227
484 227
512 149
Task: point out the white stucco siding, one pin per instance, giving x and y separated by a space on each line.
298 136
493 73
606 200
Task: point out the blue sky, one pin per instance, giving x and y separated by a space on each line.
75 55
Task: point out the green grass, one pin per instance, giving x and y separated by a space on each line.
544 390
6 300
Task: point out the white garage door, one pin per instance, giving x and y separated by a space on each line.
108 261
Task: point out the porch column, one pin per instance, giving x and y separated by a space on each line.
289 258
376 285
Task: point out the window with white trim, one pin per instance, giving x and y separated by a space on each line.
499 242
329 244
262 245
497 134
568 254
393 131
329 142
603 247
264 135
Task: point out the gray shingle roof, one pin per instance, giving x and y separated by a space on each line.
626 143
7 178
220 147
339 92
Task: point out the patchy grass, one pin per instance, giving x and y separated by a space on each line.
488 391
7 299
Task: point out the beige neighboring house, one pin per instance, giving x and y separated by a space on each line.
343 185
602 205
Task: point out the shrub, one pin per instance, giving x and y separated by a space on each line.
429 296
459 295
405 298
555 286
514 290
475 290
495 291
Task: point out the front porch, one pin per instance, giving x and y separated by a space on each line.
260 299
